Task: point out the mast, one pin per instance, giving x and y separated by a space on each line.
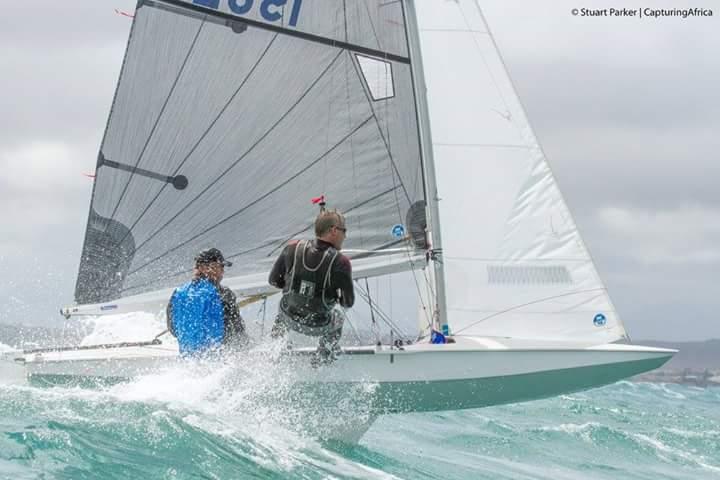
428 165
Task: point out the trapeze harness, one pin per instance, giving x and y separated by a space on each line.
305 298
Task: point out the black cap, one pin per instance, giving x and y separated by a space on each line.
211 255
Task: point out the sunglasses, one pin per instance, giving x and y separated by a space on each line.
342 229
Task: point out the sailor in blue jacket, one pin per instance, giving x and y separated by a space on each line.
202 314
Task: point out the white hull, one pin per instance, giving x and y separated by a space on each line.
474 372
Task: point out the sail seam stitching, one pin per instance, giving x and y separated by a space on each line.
192 150
236 162
160 115
314 162
267 244
382 135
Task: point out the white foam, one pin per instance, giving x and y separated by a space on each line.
577 398
671 393
260 384
207 397
5 348
128 327
249 401
661 448
709 434
572 427
666 389
583 431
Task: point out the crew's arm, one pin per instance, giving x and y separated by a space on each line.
277 274
344 282
234 325
169 316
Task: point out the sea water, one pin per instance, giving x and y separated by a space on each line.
240 420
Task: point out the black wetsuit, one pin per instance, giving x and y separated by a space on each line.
234 327
323 279
341 286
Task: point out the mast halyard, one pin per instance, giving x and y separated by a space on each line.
439 309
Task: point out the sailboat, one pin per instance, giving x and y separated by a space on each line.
230 114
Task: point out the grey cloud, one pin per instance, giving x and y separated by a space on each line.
607 167
663 300
59 61
63 97
627 112
672 98
48 26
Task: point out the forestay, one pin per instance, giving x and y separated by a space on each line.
229 116
514 262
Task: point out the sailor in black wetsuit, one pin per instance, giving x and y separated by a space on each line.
316 280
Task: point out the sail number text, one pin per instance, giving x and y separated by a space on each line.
270 10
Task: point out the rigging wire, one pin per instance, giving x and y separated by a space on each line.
399 178
429 312
394 171
374 326
352 327
382 315
382 135
540 300
397 204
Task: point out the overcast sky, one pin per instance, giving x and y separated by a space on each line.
626 109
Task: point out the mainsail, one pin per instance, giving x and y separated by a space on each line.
229 117
514 262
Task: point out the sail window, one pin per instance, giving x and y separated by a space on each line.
378 77
512 274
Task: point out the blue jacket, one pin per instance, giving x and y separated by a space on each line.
197 317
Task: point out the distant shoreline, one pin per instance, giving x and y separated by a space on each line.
697 378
